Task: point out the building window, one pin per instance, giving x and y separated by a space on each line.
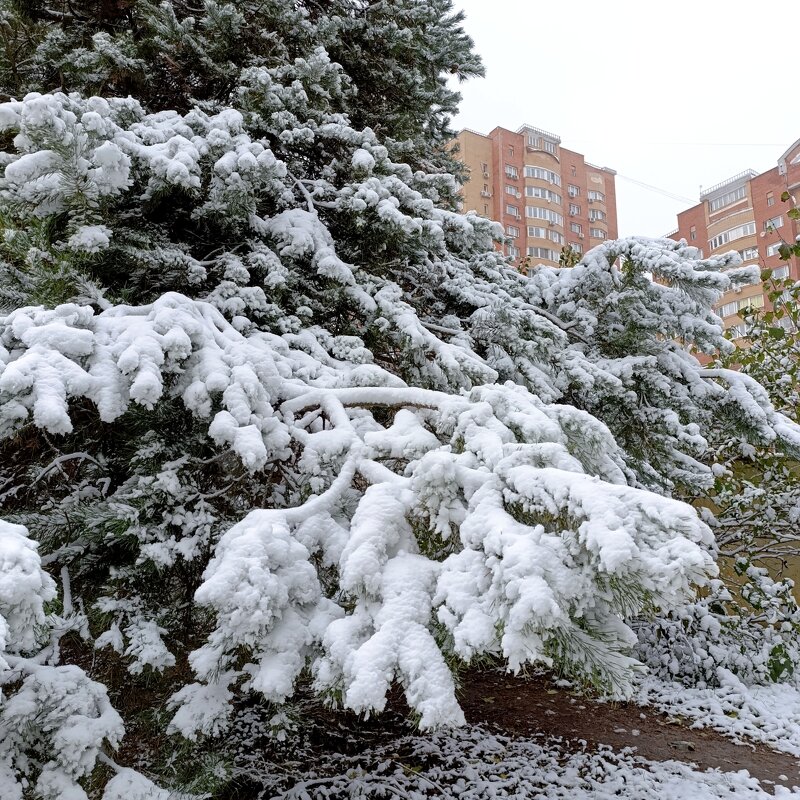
576 227
729 309
752 302
485 209
554 236
774 249
693 233
511 151
727 199
784 299
574 209
772 224
511 190
573 191
749 253
595 215
511 172
781 272
578 248
595 196
770 199
535 212
512 251
748 229
533 141
543 194
534 231
484 168
512 210
543 252
512 230
543 175
549 147
737 331
572 170
597 233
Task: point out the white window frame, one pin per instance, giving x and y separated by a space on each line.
779 273
543 252
732 234
542 174
774 223
774 249
727 199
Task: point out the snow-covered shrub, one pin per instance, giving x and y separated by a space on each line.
750 625
752 631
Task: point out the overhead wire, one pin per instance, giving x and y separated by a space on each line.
671 195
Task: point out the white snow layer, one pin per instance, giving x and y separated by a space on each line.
769 713
474 764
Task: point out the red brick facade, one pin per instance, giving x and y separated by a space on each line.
745 213
544 195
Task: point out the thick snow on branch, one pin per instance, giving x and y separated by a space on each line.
24 589
57 716
454 456
486 518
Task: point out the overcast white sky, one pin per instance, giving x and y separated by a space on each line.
677 95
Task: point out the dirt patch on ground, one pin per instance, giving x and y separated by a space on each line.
534 706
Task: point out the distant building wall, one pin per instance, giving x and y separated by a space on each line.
544 195
745 213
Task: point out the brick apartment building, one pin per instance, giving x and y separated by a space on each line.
544 195
745 213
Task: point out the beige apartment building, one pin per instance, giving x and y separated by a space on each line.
745 213
543 194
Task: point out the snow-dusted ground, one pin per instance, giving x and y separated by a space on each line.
768 714
474 764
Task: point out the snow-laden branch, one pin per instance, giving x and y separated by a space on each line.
751 399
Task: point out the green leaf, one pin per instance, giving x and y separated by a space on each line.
776 333
793 213
785 196
766 274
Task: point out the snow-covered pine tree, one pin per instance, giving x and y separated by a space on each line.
270 411
750 623
396 56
